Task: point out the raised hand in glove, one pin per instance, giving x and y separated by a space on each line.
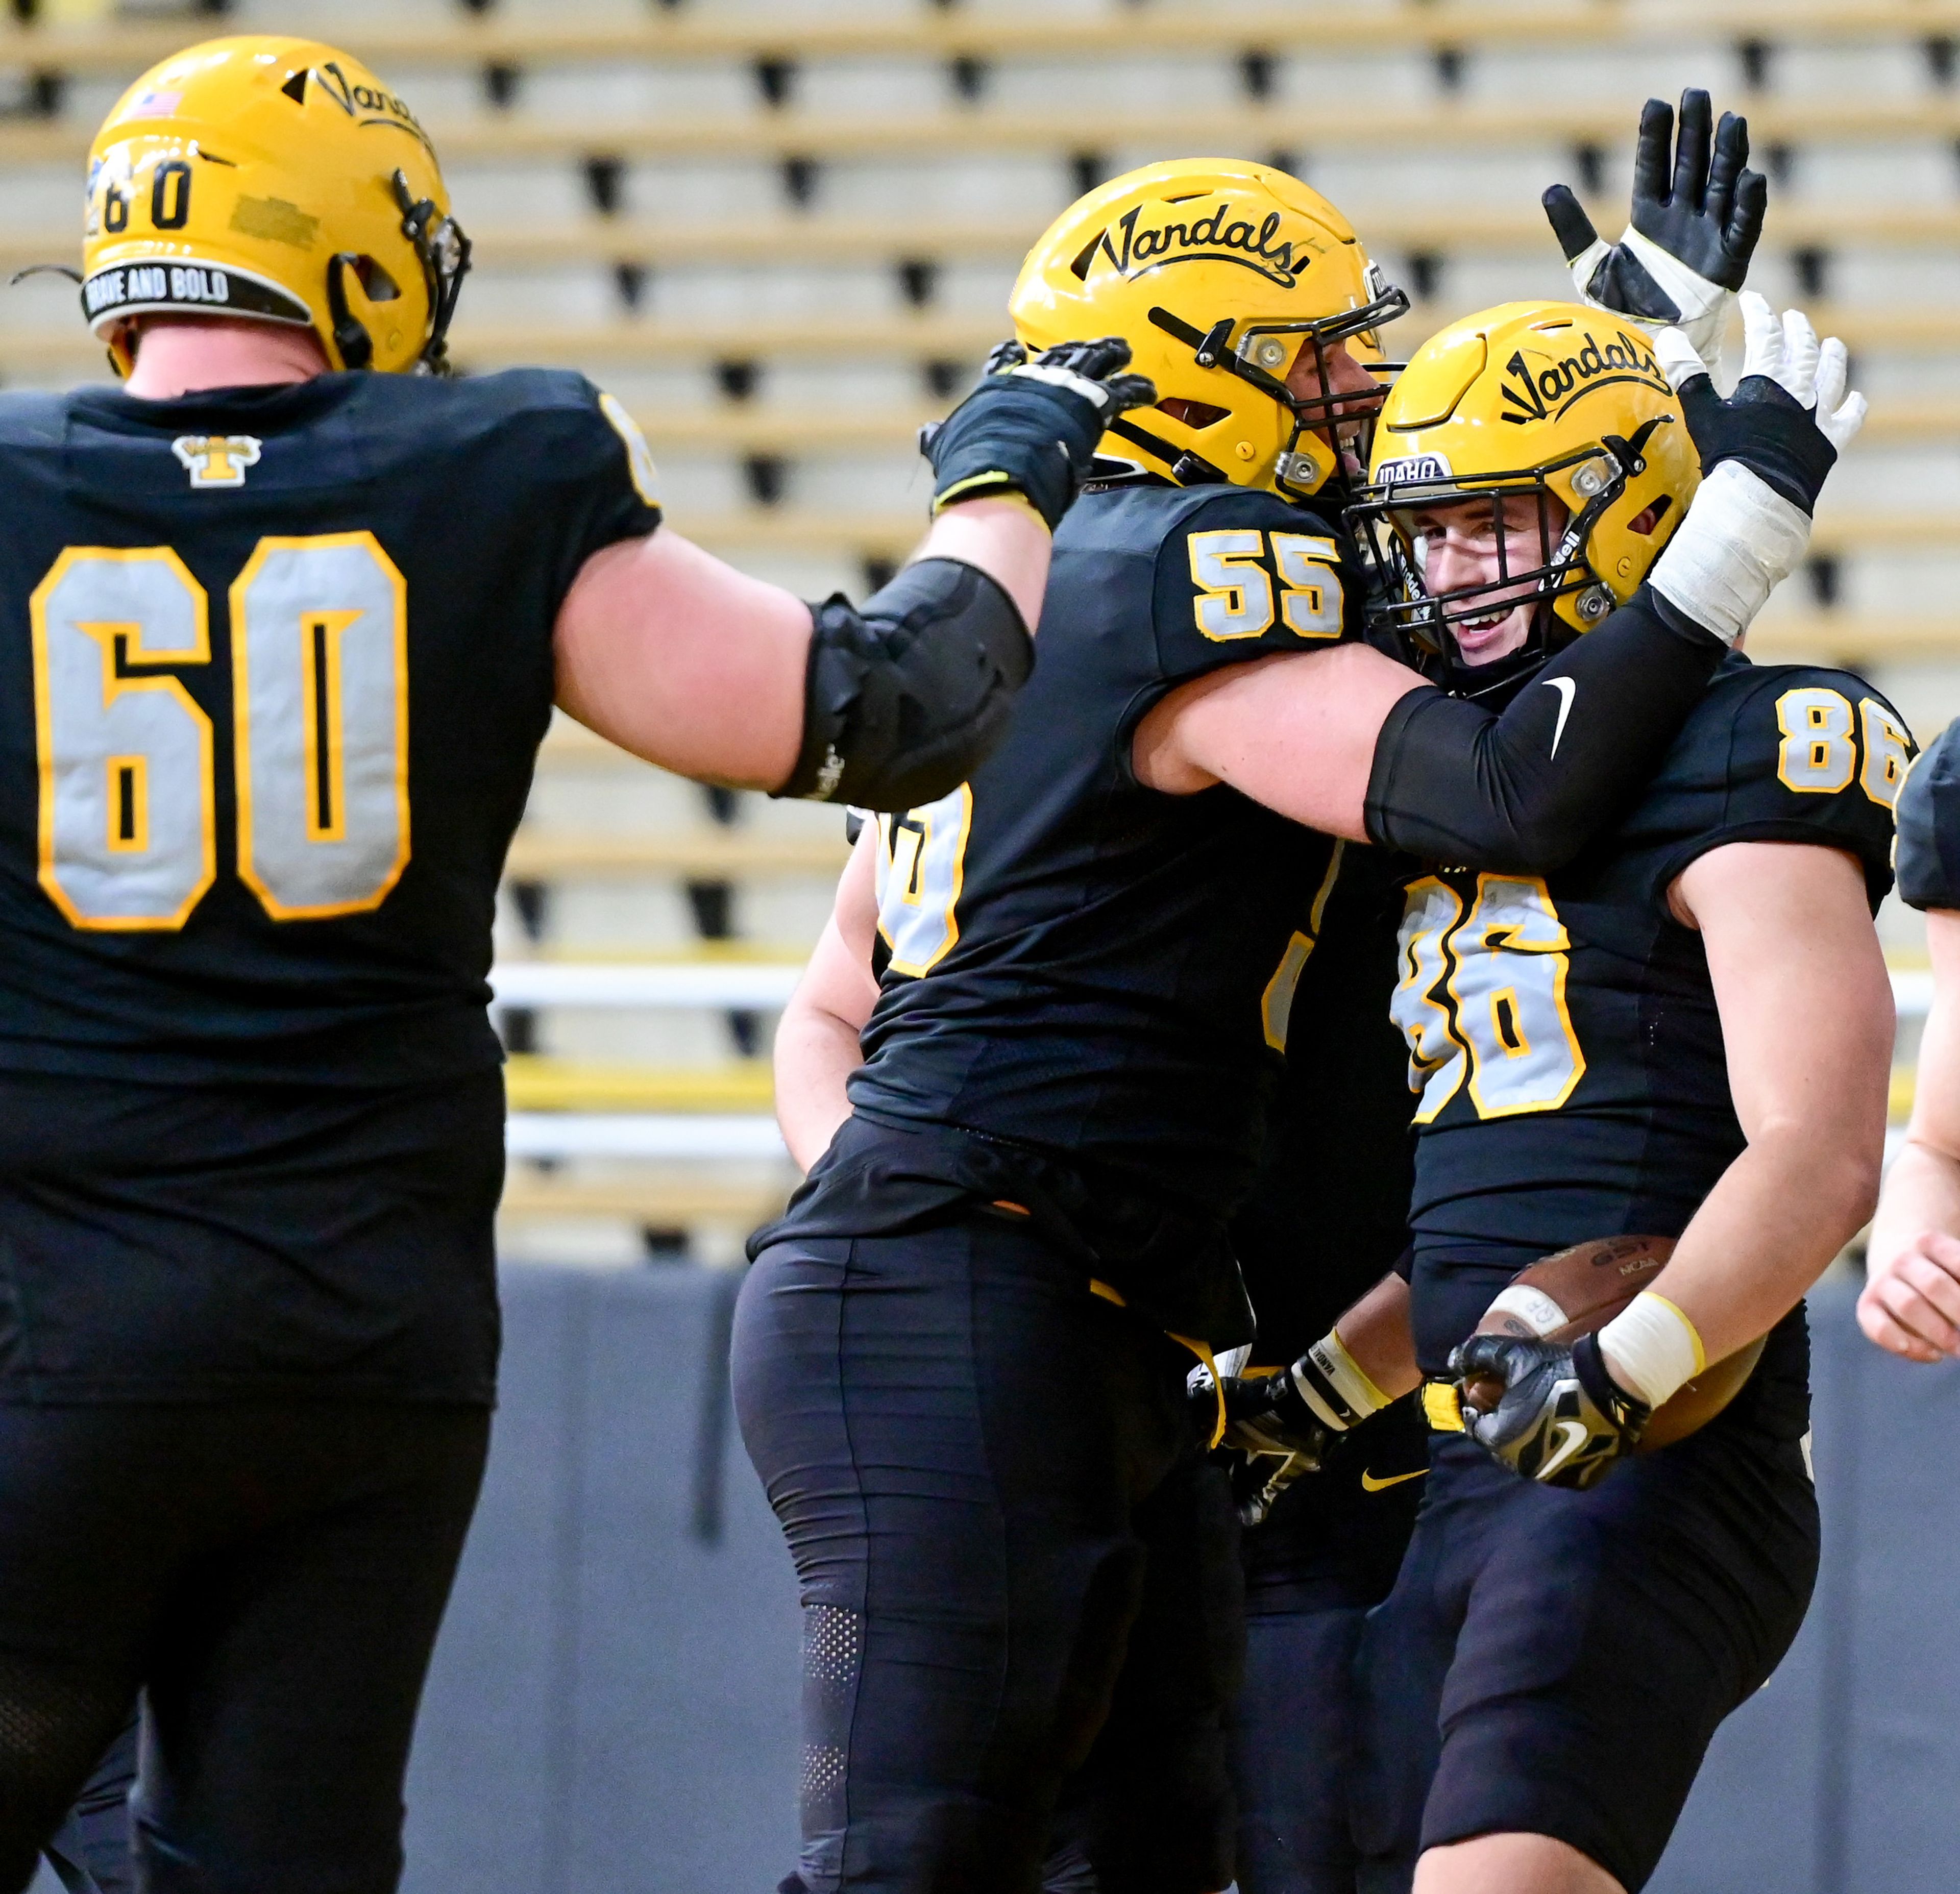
1031 428
1790 416
1765 453
1697 214
1549 1412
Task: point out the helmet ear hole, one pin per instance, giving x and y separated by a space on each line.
355 345
1196 415
1644 522
376 284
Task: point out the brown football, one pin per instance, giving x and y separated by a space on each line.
1562 1296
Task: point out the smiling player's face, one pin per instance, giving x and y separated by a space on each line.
1474 543
1345 377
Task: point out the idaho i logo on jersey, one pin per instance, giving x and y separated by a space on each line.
216 460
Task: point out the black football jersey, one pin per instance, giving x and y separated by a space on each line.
1563 1032
1077 964
276 664
1327 1213
1928 855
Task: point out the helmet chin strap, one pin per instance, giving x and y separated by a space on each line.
1498 682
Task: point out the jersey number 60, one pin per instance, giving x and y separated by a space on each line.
320 731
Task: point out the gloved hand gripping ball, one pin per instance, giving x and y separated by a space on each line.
1551 1412
1031 428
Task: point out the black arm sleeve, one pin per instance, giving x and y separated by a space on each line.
1522 793
905 695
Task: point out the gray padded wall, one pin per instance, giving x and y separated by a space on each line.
1842 1776
612 1706
611 1709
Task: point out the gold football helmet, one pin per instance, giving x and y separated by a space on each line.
277 179
1216 272
1563 404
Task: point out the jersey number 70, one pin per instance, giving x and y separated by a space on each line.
320 695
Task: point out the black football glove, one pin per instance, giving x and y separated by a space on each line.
1031 428
1560 1418
1274 1435
1697 215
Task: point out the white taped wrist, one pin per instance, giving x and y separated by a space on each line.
1336 1385
1651 1349
1741 539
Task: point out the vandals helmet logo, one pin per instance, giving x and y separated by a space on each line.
1539 386
1220 238
1225 277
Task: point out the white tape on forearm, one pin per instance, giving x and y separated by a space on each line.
1742 539
1327 1368
1651 1348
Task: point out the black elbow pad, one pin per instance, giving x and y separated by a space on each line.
906 694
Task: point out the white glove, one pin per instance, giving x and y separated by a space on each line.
1767 455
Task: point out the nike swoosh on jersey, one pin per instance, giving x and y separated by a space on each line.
1371 1484
1567 689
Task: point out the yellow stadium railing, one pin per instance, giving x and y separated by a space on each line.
539 854
537 1083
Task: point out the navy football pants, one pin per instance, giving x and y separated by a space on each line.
986 1475
274 1573
90 1852
1328 1552
1556 1662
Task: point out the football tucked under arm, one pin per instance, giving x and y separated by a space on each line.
1534 1383
1583 1290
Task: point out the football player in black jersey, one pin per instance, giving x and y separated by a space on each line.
1604 1049
281 638
1329 1211
959 1358
1911 1302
